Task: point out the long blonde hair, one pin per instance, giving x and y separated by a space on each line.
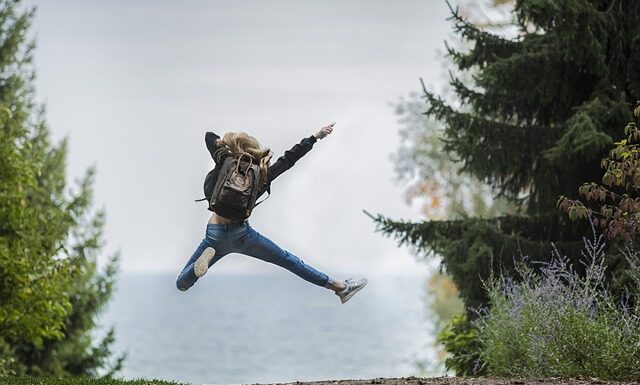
238 143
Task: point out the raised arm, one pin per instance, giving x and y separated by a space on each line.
296 152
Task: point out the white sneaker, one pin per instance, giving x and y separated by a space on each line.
201 265
352 288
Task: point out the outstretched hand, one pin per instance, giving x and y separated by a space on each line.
324 131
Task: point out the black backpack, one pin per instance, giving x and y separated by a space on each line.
235 192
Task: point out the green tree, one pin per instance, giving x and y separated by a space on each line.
50 289
435 181
434 178
533 123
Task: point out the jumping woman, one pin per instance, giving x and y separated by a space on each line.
239 162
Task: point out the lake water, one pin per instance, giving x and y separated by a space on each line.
272 328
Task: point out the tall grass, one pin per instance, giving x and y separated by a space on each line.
556 322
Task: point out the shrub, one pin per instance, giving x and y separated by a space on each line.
460 339
554 321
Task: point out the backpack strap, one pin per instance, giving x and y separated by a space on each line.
251 161
268 195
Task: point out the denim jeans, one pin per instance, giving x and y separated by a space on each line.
242 238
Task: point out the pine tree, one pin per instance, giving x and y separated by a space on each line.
434 178
534 124
50 290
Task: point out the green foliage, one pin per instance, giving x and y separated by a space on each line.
560 323
435 181
444 302
531 116
50 291
617 199
7 360
533 123
466 245
34 282
434 177
460 339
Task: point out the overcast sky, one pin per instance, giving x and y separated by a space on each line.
134 85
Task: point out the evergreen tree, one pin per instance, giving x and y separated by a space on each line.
534 124
50 290
434 177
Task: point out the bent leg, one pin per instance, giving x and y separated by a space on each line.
258 246
187 276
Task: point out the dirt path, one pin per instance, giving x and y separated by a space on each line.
464 381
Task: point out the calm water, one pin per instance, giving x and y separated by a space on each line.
274 328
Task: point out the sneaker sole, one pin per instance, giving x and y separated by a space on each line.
348 296
201 266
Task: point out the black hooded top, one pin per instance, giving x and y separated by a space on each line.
281 165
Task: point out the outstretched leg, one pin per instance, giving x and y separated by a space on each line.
197 266
258 246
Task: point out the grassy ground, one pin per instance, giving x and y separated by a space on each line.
78 381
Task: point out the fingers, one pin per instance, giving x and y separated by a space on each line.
329 128
326 130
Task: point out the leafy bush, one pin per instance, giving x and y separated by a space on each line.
554 321
614 205
7 359
460 340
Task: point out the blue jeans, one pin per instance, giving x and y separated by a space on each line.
242 238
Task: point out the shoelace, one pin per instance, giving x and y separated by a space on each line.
351 284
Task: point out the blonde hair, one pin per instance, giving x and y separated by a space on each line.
238 143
